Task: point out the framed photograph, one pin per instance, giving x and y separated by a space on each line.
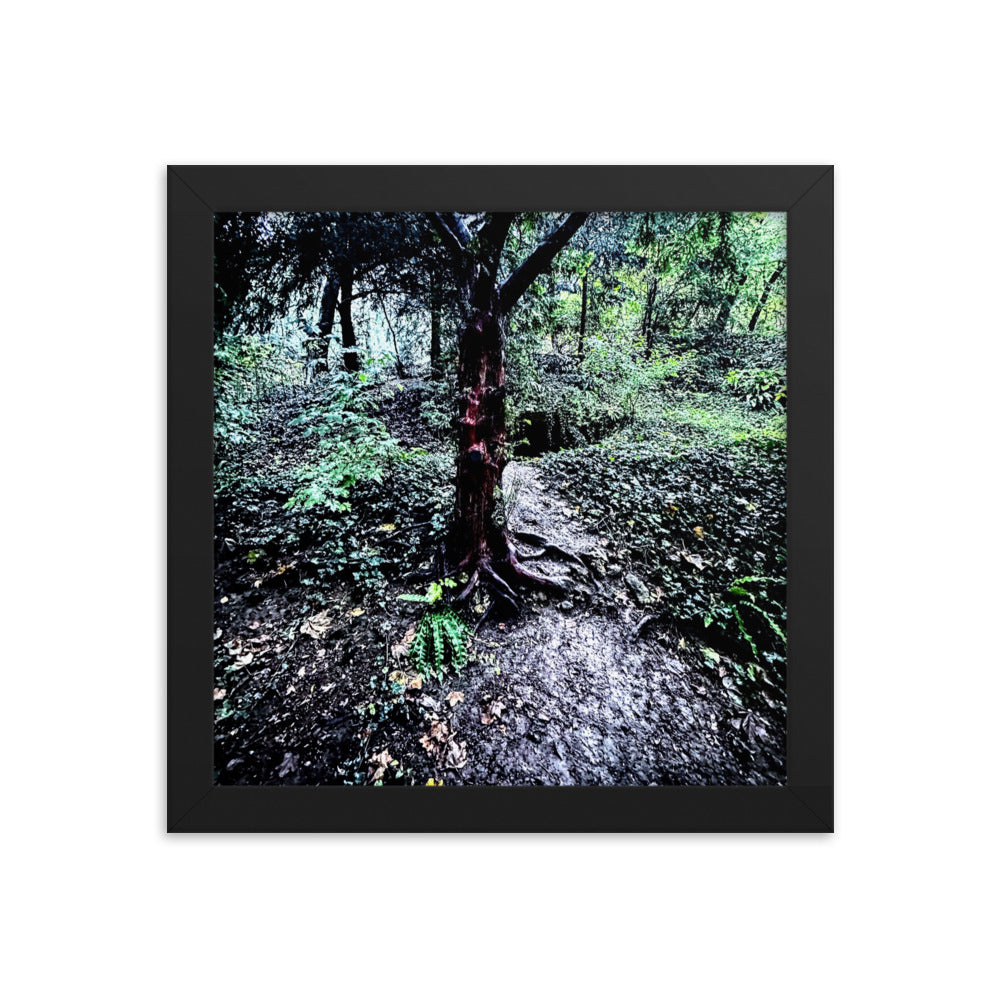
500 498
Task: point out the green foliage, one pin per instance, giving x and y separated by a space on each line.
352 446
760 388
706 420
434 592
694 523
753 601
440 644
623 376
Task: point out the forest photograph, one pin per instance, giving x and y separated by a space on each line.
500 498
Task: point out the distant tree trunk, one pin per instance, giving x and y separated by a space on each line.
722 320
647 316
583 314
400 370
479 541
763 298
318 347
348 340
435 328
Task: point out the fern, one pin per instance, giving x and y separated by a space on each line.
440 644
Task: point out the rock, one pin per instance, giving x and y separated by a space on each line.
638 588
596 560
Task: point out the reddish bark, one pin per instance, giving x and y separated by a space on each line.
479 541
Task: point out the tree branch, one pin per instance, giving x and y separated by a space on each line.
539 260
452 231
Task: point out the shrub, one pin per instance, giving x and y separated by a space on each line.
761 388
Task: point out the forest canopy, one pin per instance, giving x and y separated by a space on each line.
470 460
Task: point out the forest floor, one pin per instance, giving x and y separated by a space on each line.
593 686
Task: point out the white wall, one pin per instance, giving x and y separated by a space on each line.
899 902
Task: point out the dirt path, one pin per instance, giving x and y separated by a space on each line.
570 694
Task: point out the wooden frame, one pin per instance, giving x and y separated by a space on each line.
804 803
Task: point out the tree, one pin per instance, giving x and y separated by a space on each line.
764 296
480 542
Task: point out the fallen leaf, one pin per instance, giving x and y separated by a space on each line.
218 634
317 626
218 694
439 731
491 712
383 760
356 611
434 782
696 561
242 661
699 532
454 698
413 682
387 527
456 757
288 764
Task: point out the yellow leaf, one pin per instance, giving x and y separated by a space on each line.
356 611
387 527
699 532
434 781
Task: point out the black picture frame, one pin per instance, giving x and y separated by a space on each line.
804 803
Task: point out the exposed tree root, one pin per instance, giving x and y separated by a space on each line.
502 585
530 538
500 574
551 549
468 588
549 583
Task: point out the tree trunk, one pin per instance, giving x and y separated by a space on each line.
480 542
583 314
435 328
482 436
400 370
647 316
722 320
318 347
763 299
348 340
